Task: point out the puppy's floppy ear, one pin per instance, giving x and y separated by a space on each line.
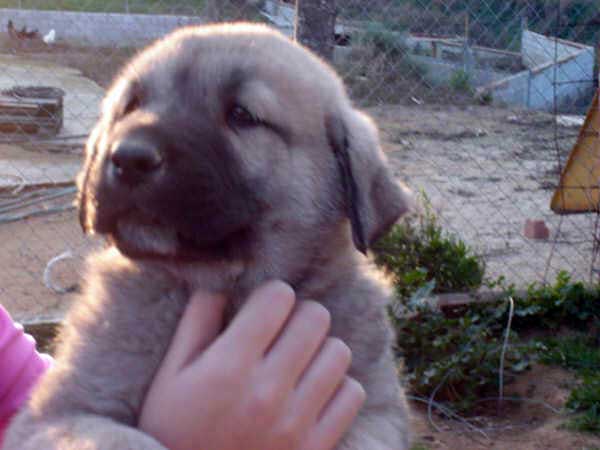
374 199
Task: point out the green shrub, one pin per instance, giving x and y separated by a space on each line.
564 303
459 357
588 421
577 352
418 251
378 68
580 353
382 39
456 353
460 81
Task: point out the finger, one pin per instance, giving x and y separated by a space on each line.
299 341
259 321
338 417
199 326
323 378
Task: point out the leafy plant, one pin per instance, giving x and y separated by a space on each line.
580 353
577 352
418 250
456 355
564 303
382 38
587 421
460 81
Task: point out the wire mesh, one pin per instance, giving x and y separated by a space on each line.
479 103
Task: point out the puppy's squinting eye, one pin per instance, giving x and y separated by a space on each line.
240 117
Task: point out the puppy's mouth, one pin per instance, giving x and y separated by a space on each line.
141 236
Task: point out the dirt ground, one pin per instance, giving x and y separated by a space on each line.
535 423
485 170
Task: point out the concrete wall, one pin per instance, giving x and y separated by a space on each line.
574 83
439 72
97 29
537 49
513 90
535 88
453 50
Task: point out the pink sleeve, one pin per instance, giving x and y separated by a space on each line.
20 367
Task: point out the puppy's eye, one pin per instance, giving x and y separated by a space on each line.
240 117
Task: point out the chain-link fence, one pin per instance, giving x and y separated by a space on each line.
479 104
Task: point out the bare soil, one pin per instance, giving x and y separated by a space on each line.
530 424
485 170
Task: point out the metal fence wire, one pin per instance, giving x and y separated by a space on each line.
480 104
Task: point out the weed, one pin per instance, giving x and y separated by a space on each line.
577 352
457 355
460 81
420 446
580 353
588 421
378 67
418 251
564 303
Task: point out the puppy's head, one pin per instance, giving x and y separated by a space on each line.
217 140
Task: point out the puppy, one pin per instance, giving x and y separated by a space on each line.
224 156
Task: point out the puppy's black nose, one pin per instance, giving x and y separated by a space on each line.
134 163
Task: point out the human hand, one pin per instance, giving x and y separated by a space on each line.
272 380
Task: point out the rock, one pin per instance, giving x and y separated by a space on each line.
536 229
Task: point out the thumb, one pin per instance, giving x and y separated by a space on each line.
200 324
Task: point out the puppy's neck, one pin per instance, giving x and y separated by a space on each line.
322 268
211 277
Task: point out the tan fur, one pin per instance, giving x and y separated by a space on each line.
116 335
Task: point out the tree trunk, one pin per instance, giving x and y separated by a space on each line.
315 26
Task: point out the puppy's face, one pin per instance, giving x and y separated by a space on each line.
217 140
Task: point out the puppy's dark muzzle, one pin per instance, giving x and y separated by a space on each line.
170 178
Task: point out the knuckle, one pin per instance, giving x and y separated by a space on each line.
264 401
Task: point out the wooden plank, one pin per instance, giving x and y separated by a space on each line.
34 100
29 125
457 299
44 332
27 108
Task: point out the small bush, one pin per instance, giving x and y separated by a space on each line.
461 82
418 251
458 356
564 303
382 39
379 68
580 353
577 352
